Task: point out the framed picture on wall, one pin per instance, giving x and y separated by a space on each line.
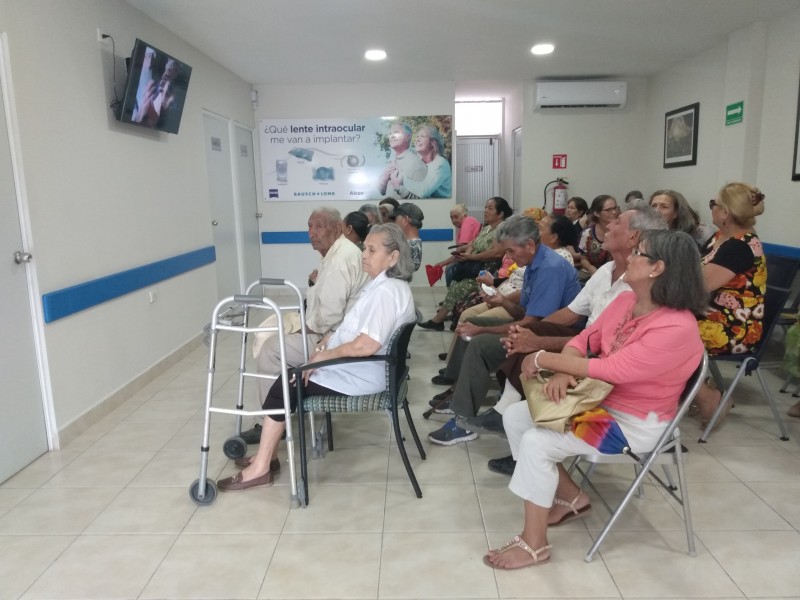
680 136
796 163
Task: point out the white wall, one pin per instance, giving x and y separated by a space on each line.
760 65
344 100
779 223
105 197
603 147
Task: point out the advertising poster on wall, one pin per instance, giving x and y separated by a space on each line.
357 159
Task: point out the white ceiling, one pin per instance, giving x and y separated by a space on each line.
323 41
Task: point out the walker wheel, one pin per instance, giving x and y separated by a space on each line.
235 447
210 495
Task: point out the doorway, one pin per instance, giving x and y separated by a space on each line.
478 164
23 428
234 204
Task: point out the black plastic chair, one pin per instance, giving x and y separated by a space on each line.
774 301
391 399
781 270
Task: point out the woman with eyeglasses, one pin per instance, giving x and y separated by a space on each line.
603 210
735 275
646 343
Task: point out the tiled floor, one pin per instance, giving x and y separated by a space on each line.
110 516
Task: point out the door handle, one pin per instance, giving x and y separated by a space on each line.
22 257
215 222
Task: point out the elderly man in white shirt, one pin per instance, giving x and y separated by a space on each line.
337 282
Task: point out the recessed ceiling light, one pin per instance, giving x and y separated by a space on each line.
375 55
539 49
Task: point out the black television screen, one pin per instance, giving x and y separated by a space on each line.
155 91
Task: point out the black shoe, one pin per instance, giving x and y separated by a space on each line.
438 398
442 371
453 325
441 380
431 325
489 422
504 466
443 356
252 436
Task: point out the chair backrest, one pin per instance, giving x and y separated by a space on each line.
774 301
781 270
690 390
397 350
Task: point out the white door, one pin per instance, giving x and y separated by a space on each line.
23 435
478 164
249 211
223 215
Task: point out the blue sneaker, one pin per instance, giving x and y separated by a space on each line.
451 434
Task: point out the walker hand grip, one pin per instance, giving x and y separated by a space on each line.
269 281
240 299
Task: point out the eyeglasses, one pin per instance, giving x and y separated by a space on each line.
637 252
712 203
612 209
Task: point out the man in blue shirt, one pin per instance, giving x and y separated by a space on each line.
550 283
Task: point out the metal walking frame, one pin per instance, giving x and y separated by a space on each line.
204 490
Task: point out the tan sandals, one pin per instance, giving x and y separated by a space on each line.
518 542
576 512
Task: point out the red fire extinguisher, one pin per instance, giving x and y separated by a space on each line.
559 196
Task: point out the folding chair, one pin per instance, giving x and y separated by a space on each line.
667 451
390 400
774 300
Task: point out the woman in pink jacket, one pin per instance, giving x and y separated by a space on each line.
647 344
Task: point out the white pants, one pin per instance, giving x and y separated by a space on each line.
537 451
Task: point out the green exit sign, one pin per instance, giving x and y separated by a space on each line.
734 113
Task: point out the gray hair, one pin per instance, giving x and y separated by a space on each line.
645 218
435 135
405 126
680 286
459 209
519 230
685 219
331 214
392 239
371 209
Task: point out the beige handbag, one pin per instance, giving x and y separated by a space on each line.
588 394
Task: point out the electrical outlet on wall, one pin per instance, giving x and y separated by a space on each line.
100 34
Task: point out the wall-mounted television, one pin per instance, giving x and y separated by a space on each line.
155 91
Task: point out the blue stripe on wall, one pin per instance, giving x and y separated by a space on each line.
779 250
301 237
62 303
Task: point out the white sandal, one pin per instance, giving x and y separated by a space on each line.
518 542
576 512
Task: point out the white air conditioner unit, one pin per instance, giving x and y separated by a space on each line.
580 94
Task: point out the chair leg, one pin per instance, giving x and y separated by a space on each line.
329 428
668 477
687 513
775 414
398 436
637 483
301 432
413 430
726 397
